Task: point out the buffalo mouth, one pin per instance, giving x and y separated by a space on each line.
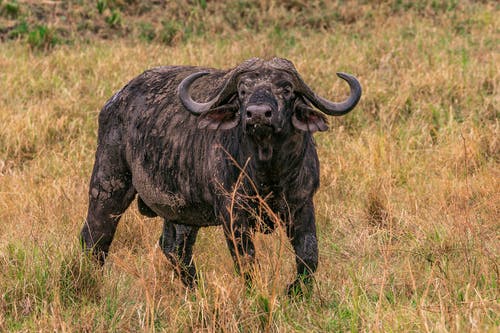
262 137
260 131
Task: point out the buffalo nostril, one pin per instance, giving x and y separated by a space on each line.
259 111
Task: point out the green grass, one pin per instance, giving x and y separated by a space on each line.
407 211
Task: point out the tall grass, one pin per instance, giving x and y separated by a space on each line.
407 211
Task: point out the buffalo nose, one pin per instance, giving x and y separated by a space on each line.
260 111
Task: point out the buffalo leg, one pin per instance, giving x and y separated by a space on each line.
177 242
110 194
239 240
302 233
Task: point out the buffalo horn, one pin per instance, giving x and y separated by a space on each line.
186 100
333 108
227 90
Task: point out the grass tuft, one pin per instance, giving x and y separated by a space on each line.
80 280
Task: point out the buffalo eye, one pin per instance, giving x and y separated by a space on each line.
286 91
243 93
242 90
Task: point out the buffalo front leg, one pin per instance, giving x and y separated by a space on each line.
302 233
239 238
110 193
177 242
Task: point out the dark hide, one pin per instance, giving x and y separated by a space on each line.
184 168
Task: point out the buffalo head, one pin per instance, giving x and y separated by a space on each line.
267 98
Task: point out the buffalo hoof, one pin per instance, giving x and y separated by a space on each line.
95 254
300 288
188 278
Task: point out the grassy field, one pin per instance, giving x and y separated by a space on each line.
409 205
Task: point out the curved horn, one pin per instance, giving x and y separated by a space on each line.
186 100
226 91
333 108
324 105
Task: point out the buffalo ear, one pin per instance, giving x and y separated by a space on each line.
307 119
223 117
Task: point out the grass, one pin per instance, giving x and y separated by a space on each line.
407 211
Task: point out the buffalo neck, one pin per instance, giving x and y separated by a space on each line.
287 157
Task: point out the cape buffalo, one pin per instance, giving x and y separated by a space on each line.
202 147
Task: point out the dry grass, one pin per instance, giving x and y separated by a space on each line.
407 212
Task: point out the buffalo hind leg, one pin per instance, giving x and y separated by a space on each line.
144 209
177 243
302 233
110 194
